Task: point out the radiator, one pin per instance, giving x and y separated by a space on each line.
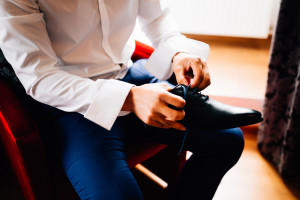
237 18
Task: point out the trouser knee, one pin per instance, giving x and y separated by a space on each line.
235 146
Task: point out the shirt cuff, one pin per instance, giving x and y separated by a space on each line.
159 63
107 105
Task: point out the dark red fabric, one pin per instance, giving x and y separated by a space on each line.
17 161
142 152
141 51
21 139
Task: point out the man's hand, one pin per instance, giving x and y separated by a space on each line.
150 102
192 70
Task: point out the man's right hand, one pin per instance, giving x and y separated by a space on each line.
150 103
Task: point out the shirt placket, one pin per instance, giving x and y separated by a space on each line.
105 30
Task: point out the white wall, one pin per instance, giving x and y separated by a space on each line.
275 10
237 18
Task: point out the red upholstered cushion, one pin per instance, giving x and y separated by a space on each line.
21 140
13 152
141 51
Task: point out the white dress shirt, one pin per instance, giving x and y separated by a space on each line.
70 54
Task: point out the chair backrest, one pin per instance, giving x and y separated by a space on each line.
21 140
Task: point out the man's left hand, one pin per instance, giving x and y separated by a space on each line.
190 69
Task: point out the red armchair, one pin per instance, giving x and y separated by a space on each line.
21 140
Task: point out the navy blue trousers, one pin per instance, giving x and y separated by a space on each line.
94 159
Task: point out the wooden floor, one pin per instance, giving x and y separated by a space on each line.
253 178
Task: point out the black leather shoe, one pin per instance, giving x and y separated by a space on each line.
208 114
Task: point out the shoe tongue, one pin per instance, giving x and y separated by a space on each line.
181 89
196 92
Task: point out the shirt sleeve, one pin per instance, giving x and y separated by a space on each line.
26 46
167 40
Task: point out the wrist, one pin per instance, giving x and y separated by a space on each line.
174 57
128 103
178 55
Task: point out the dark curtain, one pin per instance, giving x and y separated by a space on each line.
279 133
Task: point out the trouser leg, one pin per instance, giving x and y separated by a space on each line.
93 158
214 153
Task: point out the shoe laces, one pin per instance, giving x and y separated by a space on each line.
205 98
194 92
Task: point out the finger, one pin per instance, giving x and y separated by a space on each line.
165 86
172 99
179 126
206 78
158 124
172 114
160 119
169 123
180 76
176 125
197 68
